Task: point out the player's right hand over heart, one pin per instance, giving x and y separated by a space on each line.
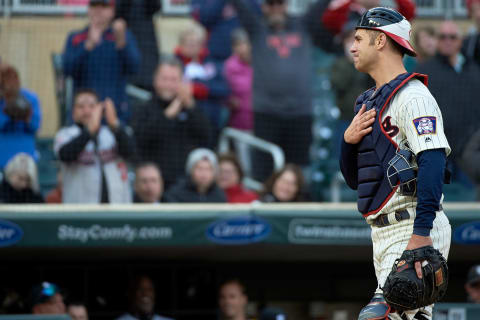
360 126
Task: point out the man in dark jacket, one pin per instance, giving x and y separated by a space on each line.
200 185
455 83
282 81
169 126
139 18
102 55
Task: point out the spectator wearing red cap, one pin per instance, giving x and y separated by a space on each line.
473 284
471 44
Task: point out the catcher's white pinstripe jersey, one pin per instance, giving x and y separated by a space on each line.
412 116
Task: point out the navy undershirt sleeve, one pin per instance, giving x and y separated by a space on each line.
348 164
431 171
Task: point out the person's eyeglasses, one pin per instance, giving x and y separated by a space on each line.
445 36
275 2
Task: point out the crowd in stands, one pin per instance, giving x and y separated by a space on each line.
245 64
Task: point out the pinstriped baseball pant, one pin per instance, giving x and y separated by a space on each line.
389 242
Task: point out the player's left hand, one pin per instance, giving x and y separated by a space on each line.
415 242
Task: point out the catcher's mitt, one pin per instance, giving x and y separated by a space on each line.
403 290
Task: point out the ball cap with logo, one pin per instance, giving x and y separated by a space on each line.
43 292
473 276
390 22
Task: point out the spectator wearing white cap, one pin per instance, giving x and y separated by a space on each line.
473 284
199 186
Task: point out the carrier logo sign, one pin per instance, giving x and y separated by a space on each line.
239 230
468 233
10 233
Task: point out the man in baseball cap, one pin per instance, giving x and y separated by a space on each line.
472 286
46 298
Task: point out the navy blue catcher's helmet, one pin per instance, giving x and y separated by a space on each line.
390 22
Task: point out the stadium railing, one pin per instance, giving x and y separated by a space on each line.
231 134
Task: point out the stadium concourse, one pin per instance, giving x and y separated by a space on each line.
159 156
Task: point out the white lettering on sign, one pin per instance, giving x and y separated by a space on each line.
125 233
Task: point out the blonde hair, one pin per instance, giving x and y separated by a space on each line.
24 163
193 30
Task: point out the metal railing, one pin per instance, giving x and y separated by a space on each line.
230 134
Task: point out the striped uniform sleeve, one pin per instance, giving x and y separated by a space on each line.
421 121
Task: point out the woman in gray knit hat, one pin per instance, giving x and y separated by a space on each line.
199 186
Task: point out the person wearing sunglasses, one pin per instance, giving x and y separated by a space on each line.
454 81
46 298
282 77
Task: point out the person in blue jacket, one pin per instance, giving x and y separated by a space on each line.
20 116
220 19
102 55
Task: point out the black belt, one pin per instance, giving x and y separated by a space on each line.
382 220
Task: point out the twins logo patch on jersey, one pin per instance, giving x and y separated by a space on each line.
425 125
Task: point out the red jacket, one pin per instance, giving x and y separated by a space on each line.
237 194
338 11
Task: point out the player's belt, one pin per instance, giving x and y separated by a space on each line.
384 219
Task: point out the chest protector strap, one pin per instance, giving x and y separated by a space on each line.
377 148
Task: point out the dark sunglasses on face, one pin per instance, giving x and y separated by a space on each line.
445 36
275 2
